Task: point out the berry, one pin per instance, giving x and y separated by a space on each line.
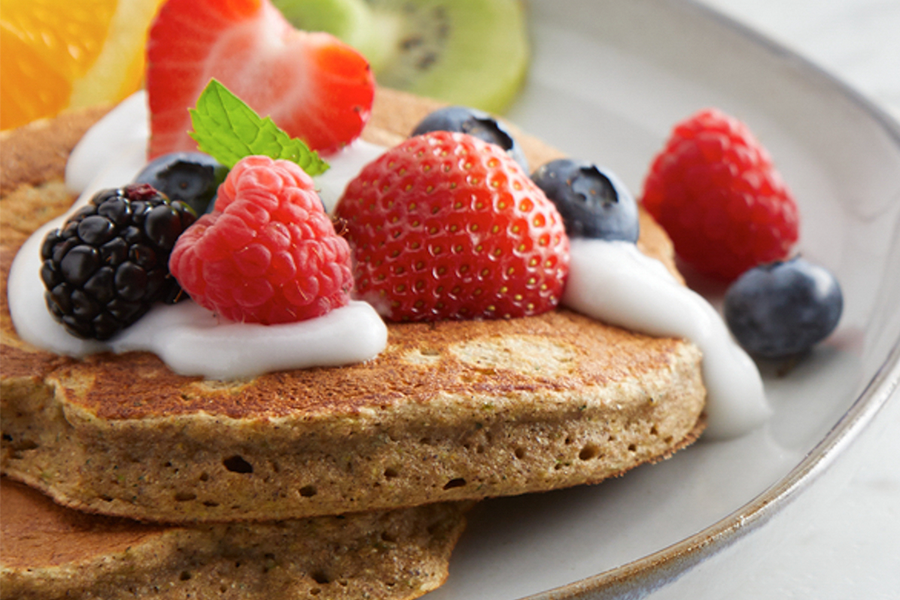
314 86
476 123
107 265
189 177
446 226
268 253
784 308
715 191
593 203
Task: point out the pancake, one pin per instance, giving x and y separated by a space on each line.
51 552
449 411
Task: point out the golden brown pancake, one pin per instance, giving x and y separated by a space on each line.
51 552
450 411
48 551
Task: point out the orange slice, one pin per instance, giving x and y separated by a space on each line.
58 54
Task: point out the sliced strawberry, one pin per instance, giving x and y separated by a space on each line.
313 86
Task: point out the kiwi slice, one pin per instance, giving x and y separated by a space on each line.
468 52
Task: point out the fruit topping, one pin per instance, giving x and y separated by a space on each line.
593 203
446 226
312 85
189 177
469 52
107 265
268 253
476 123
783 309
717 194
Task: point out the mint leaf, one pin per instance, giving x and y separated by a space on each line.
228 130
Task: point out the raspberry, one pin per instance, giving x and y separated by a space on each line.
715 191
446 226
268 253
107 265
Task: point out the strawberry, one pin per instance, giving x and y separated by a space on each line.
715 191
446 226
313 86
268 253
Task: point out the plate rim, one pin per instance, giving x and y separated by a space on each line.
666 565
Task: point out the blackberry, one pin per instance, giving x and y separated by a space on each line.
107 265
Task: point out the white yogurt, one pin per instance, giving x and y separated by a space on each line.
615 283
609 281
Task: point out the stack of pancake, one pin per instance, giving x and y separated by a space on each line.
334 482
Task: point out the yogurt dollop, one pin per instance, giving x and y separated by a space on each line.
617 284
608 281
188 338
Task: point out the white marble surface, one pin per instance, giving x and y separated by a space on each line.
839 539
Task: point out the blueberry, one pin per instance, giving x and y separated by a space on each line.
477 124
593 203
191 177
784 308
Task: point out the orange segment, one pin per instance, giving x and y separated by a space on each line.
56 54
46 45
21 69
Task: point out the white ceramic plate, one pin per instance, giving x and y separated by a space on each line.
609 80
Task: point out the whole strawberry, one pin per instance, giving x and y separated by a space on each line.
715 191
446 226
268 253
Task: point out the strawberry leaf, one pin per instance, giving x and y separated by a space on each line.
228 130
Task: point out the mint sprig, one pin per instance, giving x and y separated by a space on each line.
228 130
